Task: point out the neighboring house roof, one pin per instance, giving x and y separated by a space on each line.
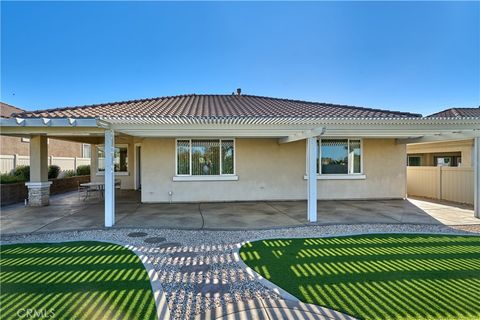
194 105
6 110
457 113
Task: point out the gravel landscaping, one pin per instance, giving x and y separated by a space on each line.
198 269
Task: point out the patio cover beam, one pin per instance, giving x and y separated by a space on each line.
291 132
452 136
48 122
303 135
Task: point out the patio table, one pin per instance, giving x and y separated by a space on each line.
98 186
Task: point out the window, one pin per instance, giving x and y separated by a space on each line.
120 158
443 161
340 156
414 161
457 161
86 150
205 157
25 139
451 161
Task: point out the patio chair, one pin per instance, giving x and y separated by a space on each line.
118 184
83 190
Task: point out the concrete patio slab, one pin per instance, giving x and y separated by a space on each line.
360 211
69 212
245 215
184 215
446 212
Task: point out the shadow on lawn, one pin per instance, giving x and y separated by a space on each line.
74 280
377 276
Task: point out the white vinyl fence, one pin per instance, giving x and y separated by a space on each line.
10 162
443 183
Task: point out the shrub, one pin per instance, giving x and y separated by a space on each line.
83 170
69 173
8 178
22 173
53 171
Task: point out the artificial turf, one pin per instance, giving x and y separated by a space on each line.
382 276
73 280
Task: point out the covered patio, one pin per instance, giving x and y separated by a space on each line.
69 212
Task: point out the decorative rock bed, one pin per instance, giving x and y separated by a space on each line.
198 269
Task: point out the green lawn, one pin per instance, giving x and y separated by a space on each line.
382 276
73 280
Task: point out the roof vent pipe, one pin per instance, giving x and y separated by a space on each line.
239 91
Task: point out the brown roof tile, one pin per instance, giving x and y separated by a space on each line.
217 106
7 110
457 113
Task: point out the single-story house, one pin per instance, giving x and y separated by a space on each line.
237 147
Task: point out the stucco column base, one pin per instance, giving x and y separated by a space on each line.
38 193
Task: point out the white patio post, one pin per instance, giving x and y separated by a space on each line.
109 148
312 179
476 173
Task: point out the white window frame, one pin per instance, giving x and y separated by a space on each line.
117 173
83 150
189 177
340 176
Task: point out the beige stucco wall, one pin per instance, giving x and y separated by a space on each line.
429 150
385 169
270 171
127 181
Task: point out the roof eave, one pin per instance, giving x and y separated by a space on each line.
104 122
48 122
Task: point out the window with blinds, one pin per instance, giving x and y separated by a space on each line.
340 156
205 157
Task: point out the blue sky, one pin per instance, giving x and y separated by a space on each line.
409 56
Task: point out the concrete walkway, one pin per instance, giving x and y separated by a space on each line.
68 212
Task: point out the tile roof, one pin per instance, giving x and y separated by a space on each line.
457 113
6 110
194 105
